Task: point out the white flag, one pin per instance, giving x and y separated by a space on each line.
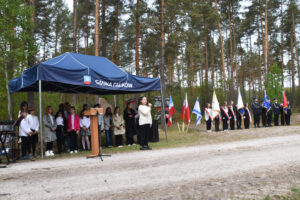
197 111
215 106
240 104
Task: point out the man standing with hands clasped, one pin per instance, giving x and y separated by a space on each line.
256 109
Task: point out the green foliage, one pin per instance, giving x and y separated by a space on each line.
273 83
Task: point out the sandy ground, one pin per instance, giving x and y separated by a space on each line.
248 169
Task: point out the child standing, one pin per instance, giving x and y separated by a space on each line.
25 133
108 126
34 127
49 130
119 130
60 122
208 117
85 130
73 129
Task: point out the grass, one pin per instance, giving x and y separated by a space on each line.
293 195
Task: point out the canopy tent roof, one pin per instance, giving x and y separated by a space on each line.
78 73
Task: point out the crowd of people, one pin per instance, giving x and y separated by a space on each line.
232 117
65 126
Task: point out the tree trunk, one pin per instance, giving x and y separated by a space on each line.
222 50
231 52
162 66
266 38
31 57
97 28
293 70
259 60
296 47
206 68
74 26
137 34
103 28
282 45
262 35
86 49
117 34
212 62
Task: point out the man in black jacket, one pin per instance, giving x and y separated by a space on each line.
263 114
270 114
276 110
256 112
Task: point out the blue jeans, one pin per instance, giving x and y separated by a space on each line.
109 137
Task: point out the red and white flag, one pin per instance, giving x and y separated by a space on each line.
185 112
171 111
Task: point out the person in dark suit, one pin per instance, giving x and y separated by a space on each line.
276 110
217 123
288 114
256 112
281 115
238 117
232 115
270 115
263 114
225 116
247 117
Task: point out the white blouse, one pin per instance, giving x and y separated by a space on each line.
145 115
85 122
59 121
33 122
24 127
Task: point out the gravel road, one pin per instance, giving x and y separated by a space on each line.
236 170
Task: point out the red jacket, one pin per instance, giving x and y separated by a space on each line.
76 123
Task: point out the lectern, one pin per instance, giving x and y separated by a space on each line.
93 113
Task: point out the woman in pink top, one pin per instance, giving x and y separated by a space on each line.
73 125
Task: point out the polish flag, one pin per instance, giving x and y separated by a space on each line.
185 112
171 111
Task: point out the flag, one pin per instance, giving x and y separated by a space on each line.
171 111
197 111
185 112
266 102
284 102
215 106
240 104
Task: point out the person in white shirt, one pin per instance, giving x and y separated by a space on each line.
60 130
24 133
35 128
145 122
85 130
208 117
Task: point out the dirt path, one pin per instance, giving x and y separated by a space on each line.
237 170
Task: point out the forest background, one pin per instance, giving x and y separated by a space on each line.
194 45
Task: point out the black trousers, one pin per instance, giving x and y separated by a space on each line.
232 122
60 137
287 119
32 143
276 117
73 141
225 124
246 123
49 146
217 124
270 115
25 145
256 120
264 121
144 134
119 140
239 122
208 124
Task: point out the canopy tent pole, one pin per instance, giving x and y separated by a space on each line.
163 110
40 108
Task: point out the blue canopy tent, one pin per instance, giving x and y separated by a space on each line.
78 73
